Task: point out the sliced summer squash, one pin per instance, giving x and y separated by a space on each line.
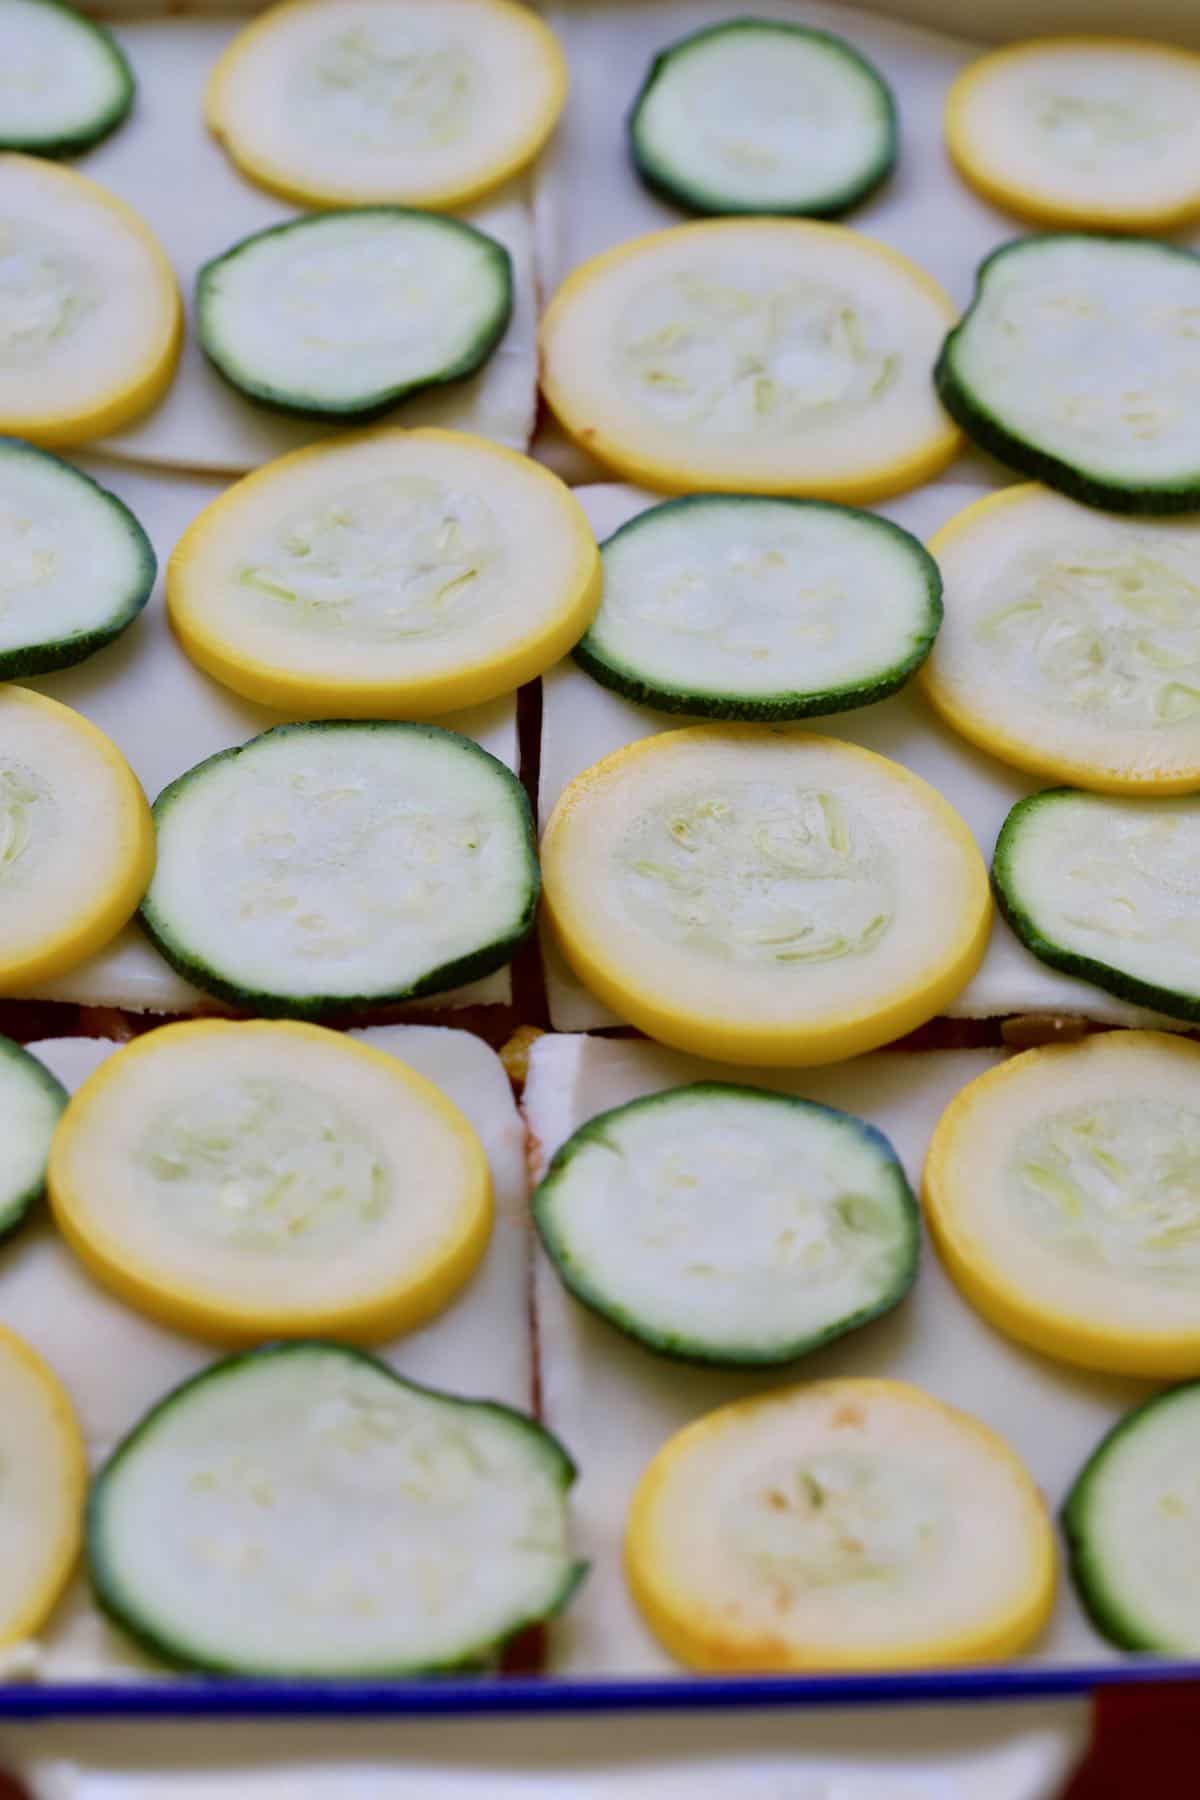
343 314
330 868
768 897
1077 363
1107 888
1063 1192
66 83
428 103
75 566
304 1511
389 573
761 116
76 839
42 1494
90 317
755 355
248 1181
1071 644
1130 1522
740 607
1089 131
730 1225
839 1525
31 1102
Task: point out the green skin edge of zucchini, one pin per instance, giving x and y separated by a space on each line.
14 1213
1102 975
64 653
694 200
473 967
691 1350
105 123
373 406
985 430
1087 1575
769 708
107 1591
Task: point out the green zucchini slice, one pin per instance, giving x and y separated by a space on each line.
729 606
760 116
304 1511
1107 888
730 1225
328 868
1077 363
1130 1522
343 314
66 82
31 1104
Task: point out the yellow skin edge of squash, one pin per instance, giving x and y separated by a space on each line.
922 464
320 697
276 180
107 914
721 1039
1015 198
1069 1337
62 1420
120 408
1008 748
691 1636
419 1292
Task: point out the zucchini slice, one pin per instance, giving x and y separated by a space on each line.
389 573
1071 645
345 102
1076 363
1061 1192
764 897
91 321
1130 1523
31 1103
730 1225
740 607
761 116
1106 888
1083 131
773 356
838 1525
66 81
343 314
75 566
42 1496
330 868
76 839
246 1181
303 1511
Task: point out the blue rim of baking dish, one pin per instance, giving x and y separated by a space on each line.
226 1698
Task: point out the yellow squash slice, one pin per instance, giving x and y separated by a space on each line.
753 356
1063 1193
76 839
389 574
764 896
42 1493
91 322
1089 131
421 102
244 1181
1071 641
839 1525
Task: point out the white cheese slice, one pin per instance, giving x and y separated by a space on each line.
582 722
614 1403
163 162
115 1364
166 716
